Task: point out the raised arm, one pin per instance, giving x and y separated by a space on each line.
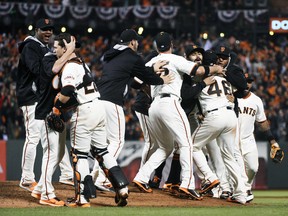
70 47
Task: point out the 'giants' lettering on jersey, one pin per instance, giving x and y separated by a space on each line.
247 110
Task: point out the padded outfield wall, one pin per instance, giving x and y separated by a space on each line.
270 175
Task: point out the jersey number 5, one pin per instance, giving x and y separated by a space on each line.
216 89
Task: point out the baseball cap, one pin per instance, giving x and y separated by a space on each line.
129 35
249 78
209 58
44 24
222 51
193 48
163 41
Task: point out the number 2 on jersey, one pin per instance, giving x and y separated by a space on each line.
90 88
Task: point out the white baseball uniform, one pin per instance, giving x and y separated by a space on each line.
251 109
168 122
219 123
87 122
149 146
52 154
30 145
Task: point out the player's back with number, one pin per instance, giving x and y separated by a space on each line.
214 96
73 75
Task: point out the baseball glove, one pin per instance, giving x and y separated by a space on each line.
276 153
55 123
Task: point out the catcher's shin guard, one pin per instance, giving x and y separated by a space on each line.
89 190
117 177
77 175
98 154
115 173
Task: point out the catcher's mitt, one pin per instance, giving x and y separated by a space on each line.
276 153
55 123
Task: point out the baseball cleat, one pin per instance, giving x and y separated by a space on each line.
105 187
208 194
36 195
143 187
185 193
121 197
174 189
67 181
209 186
28 186
166 187
155 182
249 196
225 195
81 205
234 200
55 202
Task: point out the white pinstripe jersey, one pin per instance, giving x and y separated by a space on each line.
178 65
251 109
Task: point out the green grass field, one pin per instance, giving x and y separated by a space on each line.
265 203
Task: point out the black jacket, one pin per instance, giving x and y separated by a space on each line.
120 66
190 91
143 98
47 92
27 83
235 76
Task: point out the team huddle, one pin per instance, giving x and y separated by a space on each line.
193 106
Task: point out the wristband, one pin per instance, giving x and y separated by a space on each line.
269 135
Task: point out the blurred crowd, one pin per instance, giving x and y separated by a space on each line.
267 63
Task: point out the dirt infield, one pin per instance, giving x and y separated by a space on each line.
11 195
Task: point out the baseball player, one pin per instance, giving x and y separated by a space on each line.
166 114
251 110
87 128
141 106
212 150
121 64
189 93
31 50
220 123
235 76
53 143
48 90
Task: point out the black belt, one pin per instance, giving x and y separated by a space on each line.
165 95
228 108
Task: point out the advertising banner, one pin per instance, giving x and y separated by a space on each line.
279 25
2 160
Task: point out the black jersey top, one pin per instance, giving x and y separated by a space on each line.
190 91
121 64
143 98
47 92
236 77
27 82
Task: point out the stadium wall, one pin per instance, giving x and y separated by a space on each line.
269 176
